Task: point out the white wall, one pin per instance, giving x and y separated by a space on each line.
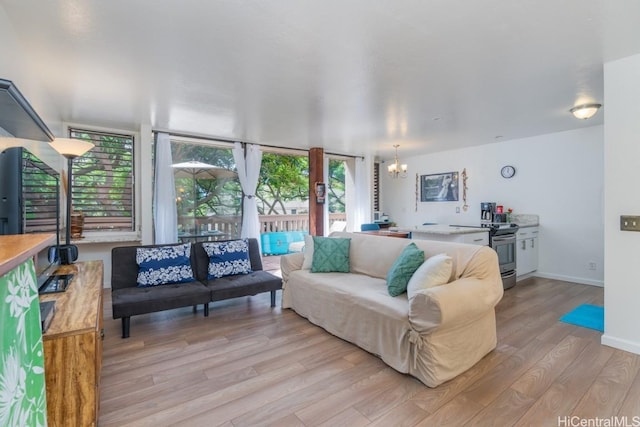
14 66
558 177
622 197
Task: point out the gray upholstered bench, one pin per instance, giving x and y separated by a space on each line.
128 299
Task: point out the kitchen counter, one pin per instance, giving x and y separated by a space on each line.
441 229
525 220
447 233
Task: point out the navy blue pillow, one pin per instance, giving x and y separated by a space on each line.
228 258
164 265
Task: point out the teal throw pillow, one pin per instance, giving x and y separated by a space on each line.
403 268
330 255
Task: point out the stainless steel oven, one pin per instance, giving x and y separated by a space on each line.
505 246
503 241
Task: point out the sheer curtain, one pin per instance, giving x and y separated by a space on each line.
248 163
362 208
164 193
325 207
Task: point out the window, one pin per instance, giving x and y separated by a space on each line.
283 185
208 197
103 186
40 193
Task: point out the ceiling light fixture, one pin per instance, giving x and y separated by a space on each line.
585 111
396 169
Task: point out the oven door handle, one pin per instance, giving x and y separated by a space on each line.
503 239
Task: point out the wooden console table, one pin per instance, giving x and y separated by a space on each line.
73 348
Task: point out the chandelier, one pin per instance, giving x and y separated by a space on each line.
396 169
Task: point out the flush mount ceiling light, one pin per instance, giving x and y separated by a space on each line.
585 111
396 169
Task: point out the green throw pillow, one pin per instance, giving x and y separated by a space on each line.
403 268
330 254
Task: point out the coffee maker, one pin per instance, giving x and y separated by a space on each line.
487 212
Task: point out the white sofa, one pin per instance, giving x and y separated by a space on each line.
435 336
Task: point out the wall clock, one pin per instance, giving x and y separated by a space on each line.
508 171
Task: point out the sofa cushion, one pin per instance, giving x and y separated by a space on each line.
435 271
163 265
403 268
228 258
133 301
330 255
253 283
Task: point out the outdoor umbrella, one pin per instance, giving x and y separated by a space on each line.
197 170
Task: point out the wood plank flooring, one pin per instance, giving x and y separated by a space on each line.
249 364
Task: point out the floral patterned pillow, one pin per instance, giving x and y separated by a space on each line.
228 258
164 265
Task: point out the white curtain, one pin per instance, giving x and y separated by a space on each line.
248 165
164 197
325 207
364 189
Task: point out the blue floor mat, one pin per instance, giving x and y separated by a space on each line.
587 316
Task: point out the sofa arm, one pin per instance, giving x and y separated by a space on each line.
456 303
289 263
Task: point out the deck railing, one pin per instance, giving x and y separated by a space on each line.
232 224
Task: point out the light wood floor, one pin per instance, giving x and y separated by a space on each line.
248 364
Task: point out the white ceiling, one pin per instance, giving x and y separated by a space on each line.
351 76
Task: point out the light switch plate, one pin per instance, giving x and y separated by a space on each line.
629 223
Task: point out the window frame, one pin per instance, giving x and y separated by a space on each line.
116 235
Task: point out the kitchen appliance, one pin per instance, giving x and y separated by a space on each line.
487 210
502 239
492 213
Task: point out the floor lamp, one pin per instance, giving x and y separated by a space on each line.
70 149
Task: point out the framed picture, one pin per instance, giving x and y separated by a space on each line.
320 191
439 187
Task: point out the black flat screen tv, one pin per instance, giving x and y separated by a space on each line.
30 203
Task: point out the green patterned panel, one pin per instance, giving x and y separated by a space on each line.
330 254
22 388
403 268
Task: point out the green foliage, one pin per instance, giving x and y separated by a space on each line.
213 196
283 178
103 177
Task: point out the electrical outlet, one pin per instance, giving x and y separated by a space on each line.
629 223
457 209
591 265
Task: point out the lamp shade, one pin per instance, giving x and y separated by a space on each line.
585 111
71 148
10 141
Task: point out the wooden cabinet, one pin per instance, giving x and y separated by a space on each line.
73 348
527 250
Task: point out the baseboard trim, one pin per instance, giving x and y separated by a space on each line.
626 345
581 280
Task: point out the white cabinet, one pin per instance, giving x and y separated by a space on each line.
527 250
479 238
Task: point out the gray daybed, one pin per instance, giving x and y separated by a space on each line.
128 299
